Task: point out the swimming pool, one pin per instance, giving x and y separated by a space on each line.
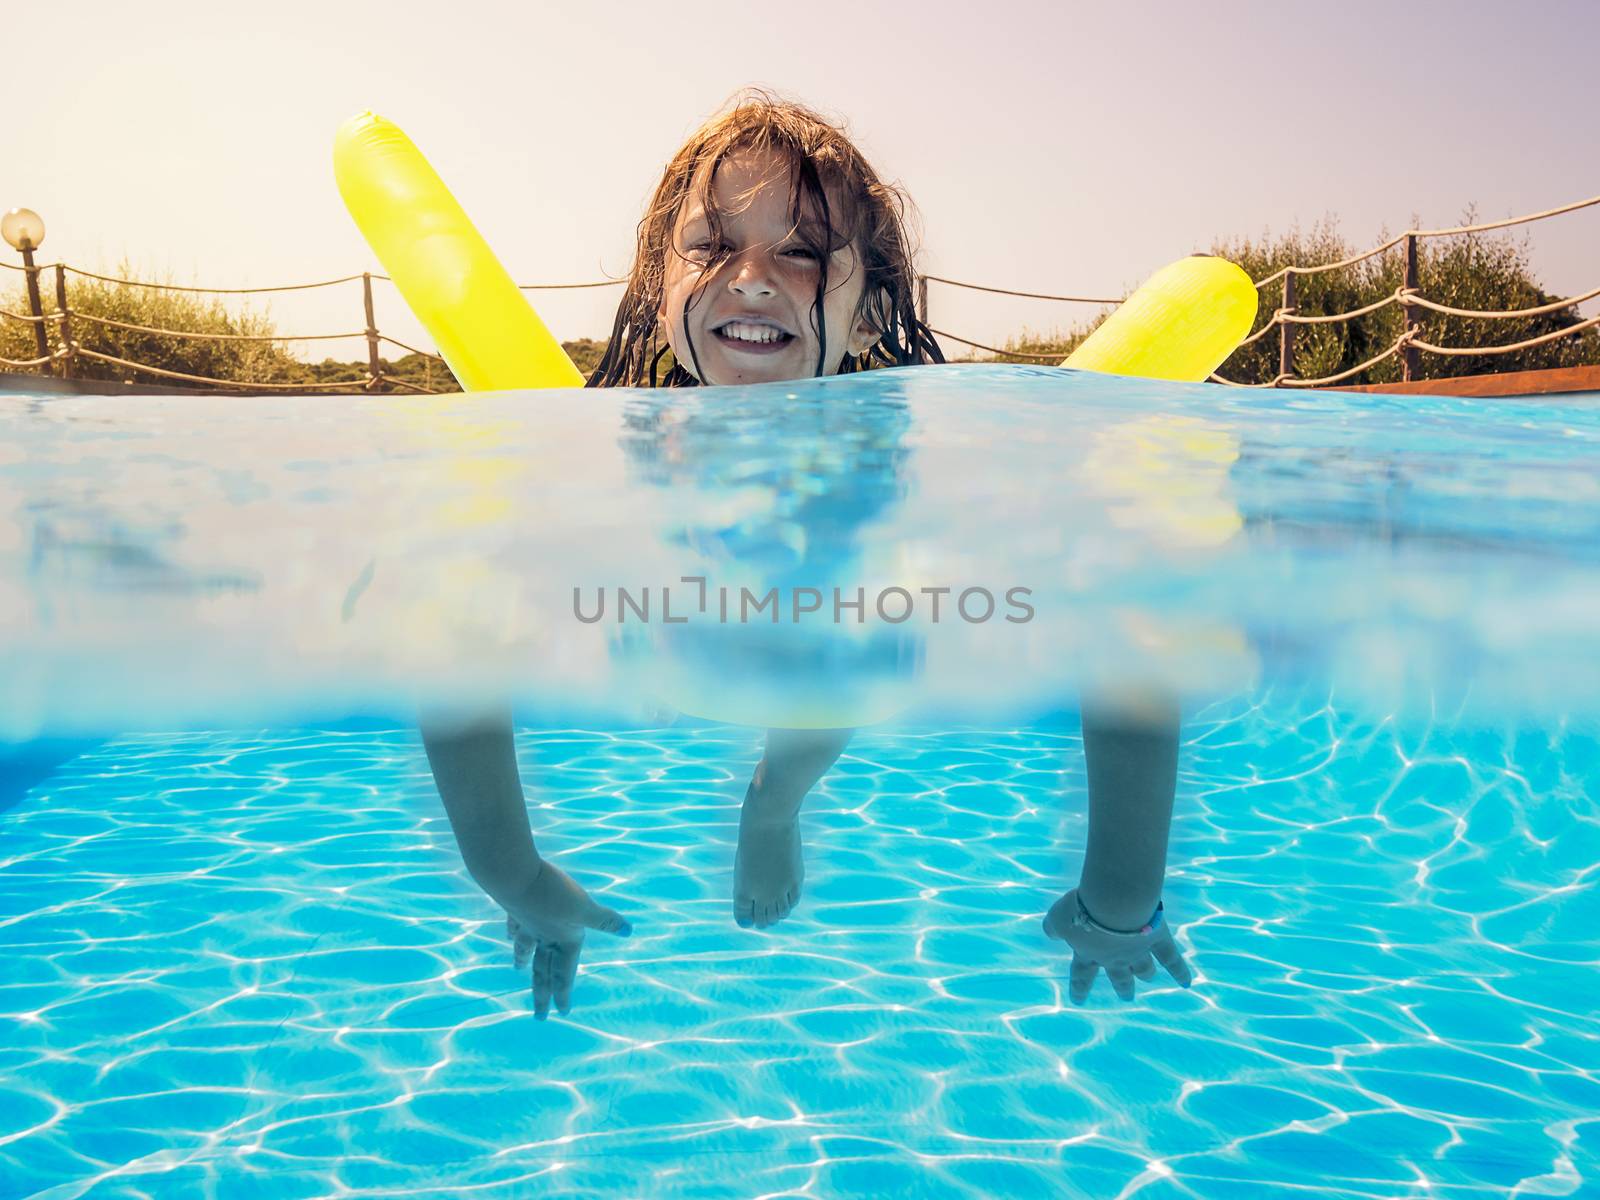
242 957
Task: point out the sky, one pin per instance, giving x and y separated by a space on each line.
1052 147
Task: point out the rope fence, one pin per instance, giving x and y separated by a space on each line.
995 349
1412 296
108 323
173 287
1413 235
1285 319
384 337
978 287
20 363
1507 349
245 385
1553 306
560 287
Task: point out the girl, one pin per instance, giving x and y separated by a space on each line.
770 251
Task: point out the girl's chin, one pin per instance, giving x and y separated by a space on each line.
736 366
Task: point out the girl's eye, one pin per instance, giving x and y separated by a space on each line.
801 252
703 251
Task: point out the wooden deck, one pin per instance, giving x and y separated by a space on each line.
1508 383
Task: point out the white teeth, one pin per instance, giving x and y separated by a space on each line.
749 331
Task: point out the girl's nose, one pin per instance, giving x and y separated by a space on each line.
752 274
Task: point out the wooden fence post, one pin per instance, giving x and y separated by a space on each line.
1286 328
1409 355
35 305
374 363
69 351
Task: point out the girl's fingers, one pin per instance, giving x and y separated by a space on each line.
522 950
1170 957
542 979
1081 978
608 920
1121 982
521 942
1163 950
565 973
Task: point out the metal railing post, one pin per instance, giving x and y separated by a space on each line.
374 363
69 349
1286 328
922 298
1409 355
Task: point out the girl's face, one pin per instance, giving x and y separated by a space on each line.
751 320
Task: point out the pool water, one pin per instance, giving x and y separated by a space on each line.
239 955
198 562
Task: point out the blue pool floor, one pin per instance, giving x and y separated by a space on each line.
249 964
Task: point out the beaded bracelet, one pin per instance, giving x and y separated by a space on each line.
1088 922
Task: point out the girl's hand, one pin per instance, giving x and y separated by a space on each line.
546 921
1122 957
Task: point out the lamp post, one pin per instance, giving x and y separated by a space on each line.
24 230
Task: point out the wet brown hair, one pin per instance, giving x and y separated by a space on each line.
871 215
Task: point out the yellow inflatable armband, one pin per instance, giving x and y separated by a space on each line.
1180 325
483 325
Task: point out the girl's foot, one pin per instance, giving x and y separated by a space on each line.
768 869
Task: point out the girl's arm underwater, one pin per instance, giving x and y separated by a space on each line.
474 765
1131 751
1130 744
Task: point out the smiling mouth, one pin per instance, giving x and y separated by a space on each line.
759 337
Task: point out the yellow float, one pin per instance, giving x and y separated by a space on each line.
483 325
1181 324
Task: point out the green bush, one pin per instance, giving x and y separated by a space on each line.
586 353
1472 271
420 370
186 312
426 372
